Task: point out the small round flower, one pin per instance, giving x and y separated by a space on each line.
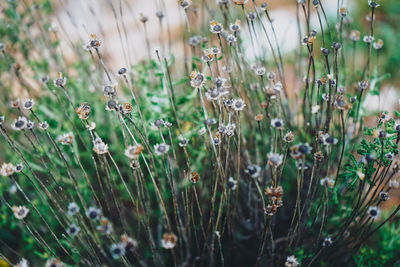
216 27
109 90
197 79
84 111
325 51
184 3
336 45
105 226
259 117
195 40
169 240
275 159
373 4
201 131
363 85
19 124
270 210
73 208
158 123
231 39
327 182
30 125
355 35
161 148
368 39
217 141
133 152
289 137
93 213
73 230
18 167
277 123
129 243
389 156
43 125
299 151
28 103
235 27
253 170
214 94
291 261
260 71
374 212
384 196
66 139
329 140
210 121
7 169
378 44
343 12
122 71
20 212
327 242
53 262
94 41
112 105
195 177
60 81
183 141
238 104
251 16
15 103
117 250
99 147
127 108
232 183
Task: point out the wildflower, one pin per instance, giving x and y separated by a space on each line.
117 250
214 94
93 213
195 40
129 243
66 139
336 45
73 208
28 103
389 156
235 27
260 71
201 131
112 105
19 124
393 184
122 71
270 210
60 81
73 230
327 182
99 147
327 242
384 196
275 159
15 103
291 261
217 141
240 2
362 85
300 150
183 141
329 140
251 16
133 152
167 124
18 167
195 177
197 79
169 241
30 125
259 117
94 41
43 125
238 104
210 121
277 123
232 183
109 90
7 169
184 3
253 170
161 148
215 27
53 262
158 123
374 212
105 226
231 39
318 156
373 4
20 212
83 111
368 39
271 76
378 45
127 108
289 137
276 192
343 12
354 35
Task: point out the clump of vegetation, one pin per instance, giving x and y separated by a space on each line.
235 153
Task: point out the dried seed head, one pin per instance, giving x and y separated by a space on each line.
195 177
169 241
